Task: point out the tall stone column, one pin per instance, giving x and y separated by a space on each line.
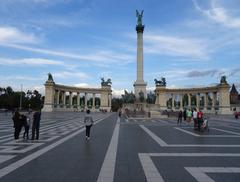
161 101
198 101
173 101
78 100
93 104
189 101
85 102
106 90
224 98
64 99
110 100
49 96
181 102
58 95
139 84
206 101
71 99
214 100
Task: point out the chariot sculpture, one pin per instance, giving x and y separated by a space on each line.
161 82
106 83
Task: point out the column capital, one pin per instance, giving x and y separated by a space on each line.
140 28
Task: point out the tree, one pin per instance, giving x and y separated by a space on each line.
116 104
9 90
10 99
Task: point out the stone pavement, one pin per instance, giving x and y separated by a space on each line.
121 150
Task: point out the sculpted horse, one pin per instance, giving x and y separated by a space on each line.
161 82
106 83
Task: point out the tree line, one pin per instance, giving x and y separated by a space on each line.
10 99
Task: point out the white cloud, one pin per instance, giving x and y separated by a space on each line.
175 46
19 77
219 14
117 93
13 35
39 88
96 56
30 62
85 85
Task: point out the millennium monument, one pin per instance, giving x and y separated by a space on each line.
215 99
139 84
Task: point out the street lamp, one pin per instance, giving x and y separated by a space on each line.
21 99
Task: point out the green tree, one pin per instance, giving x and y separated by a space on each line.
116 104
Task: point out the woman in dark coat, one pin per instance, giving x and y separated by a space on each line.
17 124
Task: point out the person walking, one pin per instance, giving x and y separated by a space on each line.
180 115
36 125
120 113
88 120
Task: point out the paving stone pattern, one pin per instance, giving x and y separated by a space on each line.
121 150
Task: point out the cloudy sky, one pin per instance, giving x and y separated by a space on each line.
190 42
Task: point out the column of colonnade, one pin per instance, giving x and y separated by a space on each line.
197 105
60 99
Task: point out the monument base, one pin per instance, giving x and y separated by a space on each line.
108 109
157 114
47 108
140 87
225 111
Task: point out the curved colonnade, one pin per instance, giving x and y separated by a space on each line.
68 98
213 99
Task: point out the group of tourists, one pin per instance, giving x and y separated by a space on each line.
24 121
191 115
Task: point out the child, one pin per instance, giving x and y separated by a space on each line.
26 124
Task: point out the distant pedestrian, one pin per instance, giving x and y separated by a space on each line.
36 124
184 114
236 115
120 113
200 119
195 119
180 115
88 120
189 115
17 124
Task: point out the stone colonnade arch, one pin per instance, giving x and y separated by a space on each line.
68 98
210 99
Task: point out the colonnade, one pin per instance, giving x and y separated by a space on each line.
206 101
68 98
212 99
60 100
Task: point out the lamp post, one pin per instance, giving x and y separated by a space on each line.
21 99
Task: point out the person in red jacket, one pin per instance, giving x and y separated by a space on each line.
200 119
